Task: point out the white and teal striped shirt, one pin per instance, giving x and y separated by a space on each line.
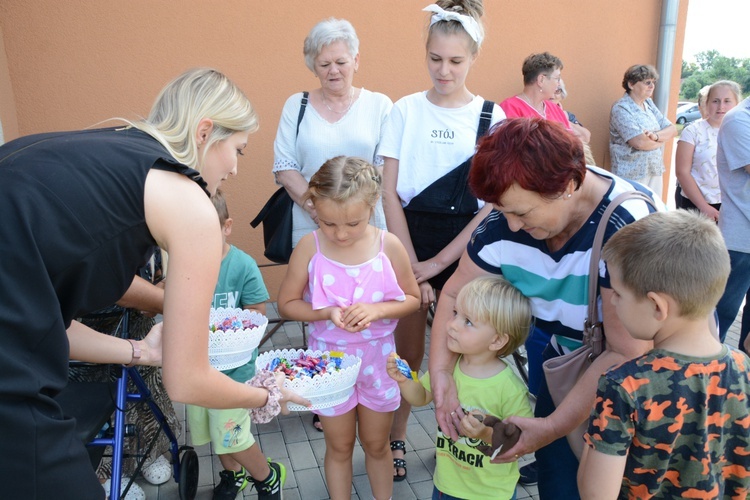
556 282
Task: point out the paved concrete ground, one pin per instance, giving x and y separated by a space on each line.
292 441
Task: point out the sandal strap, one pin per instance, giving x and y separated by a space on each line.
399 463
398 445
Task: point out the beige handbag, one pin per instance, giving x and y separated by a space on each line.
563 372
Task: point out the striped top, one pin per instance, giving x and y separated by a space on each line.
556 282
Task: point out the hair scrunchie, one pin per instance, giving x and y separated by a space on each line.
266 380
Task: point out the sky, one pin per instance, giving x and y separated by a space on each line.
717 25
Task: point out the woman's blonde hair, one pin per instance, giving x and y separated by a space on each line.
702 98
343 178
472 8
733 87
493 300
185 101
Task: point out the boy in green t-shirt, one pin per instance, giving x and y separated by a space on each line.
240 285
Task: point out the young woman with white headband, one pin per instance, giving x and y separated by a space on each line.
427 147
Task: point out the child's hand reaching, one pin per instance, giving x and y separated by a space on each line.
472 426
358 316
392 368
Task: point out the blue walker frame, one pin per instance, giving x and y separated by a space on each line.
184 458
184 468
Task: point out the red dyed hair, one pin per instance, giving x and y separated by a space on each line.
539 155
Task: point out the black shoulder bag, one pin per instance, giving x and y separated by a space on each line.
276 215
450 194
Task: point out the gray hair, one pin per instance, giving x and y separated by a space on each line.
637 73
325 33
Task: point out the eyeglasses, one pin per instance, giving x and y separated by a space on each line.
649 83
558 78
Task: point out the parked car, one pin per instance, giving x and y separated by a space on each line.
687 113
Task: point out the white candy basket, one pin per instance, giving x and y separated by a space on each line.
233 348
323 391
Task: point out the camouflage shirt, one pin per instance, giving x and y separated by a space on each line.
683 422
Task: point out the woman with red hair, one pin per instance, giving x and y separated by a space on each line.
547 206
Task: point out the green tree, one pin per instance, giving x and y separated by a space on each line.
690 89
711 66
705 59
688 69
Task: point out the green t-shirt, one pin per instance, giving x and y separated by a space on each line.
240 284
462 471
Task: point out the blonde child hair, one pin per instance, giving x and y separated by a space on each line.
493 300
679 253
343 178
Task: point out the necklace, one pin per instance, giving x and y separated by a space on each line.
526 99
351 101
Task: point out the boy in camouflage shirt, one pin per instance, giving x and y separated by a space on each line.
674 422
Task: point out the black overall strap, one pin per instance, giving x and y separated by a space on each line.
302 107
485 119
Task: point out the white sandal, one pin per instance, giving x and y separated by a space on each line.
134 493
158 472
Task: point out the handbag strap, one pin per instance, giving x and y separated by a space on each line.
302 107
279 192
593 332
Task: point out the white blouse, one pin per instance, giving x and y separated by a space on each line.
703 136
357 133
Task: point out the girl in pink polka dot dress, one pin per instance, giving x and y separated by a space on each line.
352 281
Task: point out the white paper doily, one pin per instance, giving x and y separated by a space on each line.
323 391
234 348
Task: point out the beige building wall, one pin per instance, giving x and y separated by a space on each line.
72 64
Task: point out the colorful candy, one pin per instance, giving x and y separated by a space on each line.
403 367
232 323
306 365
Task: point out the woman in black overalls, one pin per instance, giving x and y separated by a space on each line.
81 211
427 146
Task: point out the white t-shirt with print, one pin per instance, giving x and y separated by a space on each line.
357 133
429 141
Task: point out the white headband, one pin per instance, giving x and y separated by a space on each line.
469 23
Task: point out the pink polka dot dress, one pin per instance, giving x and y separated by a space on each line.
332 283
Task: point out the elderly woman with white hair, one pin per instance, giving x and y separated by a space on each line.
335 119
